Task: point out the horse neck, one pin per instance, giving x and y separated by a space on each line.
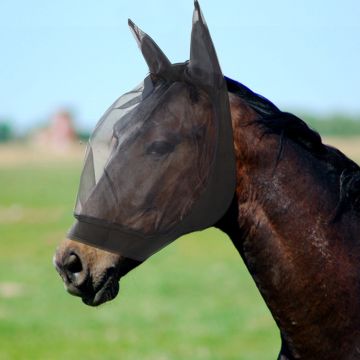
304 267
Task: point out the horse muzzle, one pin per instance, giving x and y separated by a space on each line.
91 273
94 287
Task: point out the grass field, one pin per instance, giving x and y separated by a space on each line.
193 300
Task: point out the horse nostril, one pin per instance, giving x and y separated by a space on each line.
73 264
73 270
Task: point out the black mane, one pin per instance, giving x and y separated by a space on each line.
288 126
259 103
275 121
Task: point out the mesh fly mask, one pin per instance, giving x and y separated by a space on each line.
160 162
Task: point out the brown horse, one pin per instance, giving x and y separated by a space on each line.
295 220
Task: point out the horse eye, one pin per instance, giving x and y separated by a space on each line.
160 148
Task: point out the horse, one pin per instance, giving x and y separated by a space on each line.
294 219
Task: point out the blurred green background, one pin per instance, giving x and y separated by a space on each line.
193 300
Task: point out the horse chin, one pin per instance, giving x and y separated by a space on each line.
106 291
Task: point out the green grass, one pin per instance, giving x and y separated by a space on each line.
334 125
193 300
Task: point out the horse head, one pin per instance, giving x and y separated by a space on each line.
153 169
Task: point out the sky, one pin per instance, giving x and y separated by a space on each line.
80 55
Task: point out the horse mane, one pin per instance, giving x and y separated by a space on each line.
289 127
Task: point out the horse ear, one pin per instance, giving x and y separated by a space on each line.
154 57
204 65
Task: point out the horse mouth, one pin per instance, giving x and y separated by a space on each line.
106 290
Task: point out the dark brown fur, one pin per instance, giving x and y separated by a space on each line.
305 265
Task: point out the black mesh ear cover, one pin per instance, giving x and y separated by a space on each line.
160 163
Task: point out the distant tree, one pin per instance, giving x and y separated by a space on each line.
83 135
6 131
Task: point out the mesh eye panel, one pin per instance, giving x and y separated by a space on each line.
102 143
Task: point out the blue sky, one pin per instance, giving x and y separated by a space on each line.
302 55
